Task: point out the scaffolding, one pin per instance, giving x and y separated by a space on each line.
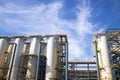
62 52
113 39
82 70
42 68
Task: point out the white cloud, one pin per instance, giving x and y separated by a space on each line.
43 18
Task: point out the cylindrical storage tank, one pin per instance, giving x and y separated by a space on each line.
33 56
106 73
4 41
19 41
50 51
50 70
3 45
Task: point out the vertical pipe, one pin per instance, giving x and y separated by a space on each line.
76 72
97 61
98 71
38 62
66 71
12 60
88 71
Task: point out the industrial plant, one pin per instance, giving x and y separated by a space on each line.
37 57
45 57
106 49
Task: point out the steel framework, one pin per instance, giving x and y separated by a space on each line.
60 64
82 70
113 39
62 56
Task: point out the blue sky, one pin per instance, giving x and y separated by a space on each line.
79 19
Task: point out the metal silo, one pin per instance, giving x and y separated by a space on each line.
103 57
50 70
19 41
107 74
33 55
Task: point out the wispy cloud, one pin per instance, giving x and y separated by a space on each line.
43 18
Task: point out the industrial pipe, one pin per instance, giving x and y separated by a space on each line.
66 71
11 64
97 60
38 62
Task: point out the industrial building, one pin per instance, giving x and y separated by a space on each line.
106 48
36 57
45 57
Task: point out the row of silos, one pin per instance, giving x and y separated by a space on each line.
101 51
16 46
